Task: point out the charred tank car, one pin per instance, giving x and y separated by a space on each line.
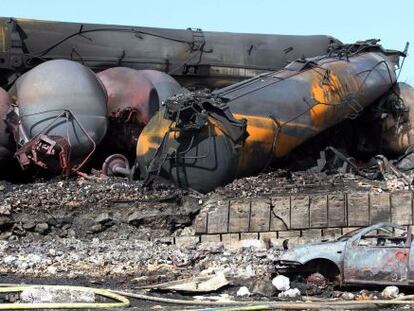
194 57
58 117
203 141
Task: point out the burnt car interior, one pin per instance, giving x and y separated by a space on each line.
387 236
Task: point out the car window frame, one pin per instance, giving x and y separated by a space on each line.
355 242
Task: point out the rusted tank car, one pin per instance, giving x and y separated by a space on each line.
134 96
194 57
204 141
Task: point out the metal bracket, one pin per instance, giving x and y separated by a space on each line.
11 52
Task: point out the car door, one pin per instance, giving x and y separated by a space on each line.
378 255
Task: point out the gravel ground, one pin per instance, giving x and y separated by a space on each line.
109 227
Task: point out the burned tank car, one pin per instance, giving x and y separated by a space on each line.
205 141
395 111
194 57
60 115
5 142
134 96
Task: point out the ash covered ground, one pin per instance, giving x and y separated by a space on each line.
110 227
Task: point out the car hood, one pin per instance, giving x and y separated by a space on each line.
332 250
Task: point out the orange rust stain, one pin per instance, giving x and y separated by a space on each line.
326 94
264 121
285 144
259 144
262 131
328 89
147 140
257 147
400 256
264 141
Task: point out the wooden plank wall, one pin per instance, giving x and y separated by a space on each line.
301 215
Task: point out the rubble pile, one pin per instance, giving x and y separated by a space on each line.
115 207
79 192
283 181
142 262
85 207
82 207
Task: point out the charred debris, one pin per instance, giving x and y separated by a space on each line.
73 105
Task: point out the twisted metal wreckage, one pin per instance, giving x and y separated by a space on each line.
58 109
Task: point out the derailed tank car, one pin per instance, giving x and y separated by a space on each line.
58 117
193 56
134 96
204 141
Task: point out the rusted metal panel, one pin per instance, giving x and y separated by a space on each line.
376 265
378 254
375 257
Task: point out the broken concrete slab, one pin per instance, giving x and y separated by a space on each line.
290 293
201 284
390 292
41 294
281 283
243 292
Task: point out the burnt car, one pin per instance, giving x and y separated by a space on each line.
381 254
